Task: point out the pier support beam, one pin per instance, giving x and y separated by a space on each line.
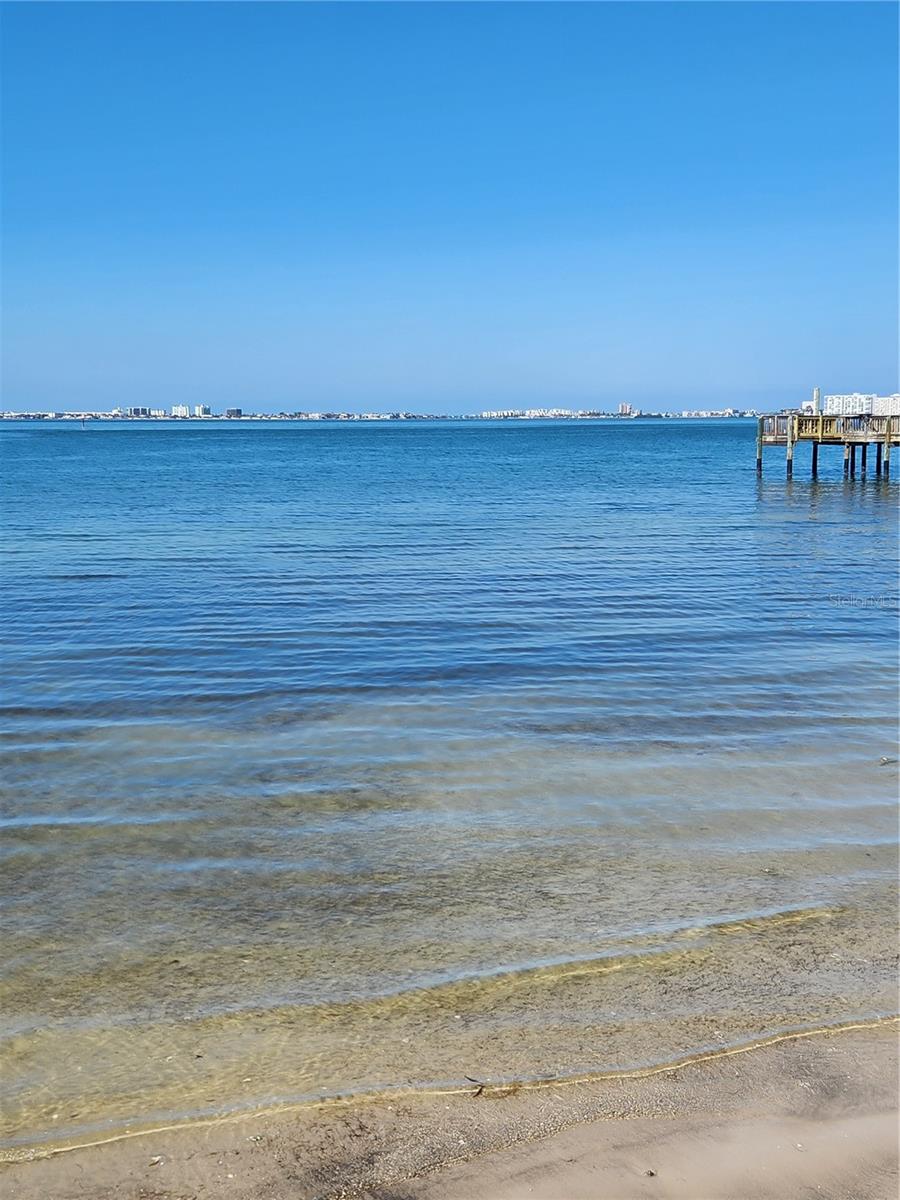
815 460
852 462
846 459
877 459
759 445
863 454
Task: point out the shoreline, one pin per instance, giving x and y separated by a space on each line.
459 1143
12 1154
735 991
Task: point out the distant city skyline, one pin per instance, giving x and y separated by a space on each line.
181 412
448 208
850 405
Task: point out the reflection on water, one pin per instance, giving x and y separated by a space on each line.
343 758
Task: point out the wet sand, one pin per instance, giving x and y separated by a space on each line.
800 1117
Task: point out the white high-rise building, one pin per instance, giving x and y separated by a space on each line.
851 405
180 410
861 404
202 410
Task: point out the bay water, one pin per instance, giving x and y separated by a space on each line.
342 758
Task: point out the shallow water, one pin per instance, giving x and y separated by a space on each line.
353 757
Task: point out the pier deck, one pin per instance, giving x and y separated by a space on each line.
787 429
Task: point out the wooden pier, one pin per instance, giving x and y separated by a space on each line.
851 433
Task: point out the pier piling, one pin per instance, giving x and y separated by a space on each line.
886 461
789 461
846 460
863 455
759 445
815 460
877 460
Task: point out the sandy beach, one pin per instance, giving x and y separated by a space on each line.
803 1116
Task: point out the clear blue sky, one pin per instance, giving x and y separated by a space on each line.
446 207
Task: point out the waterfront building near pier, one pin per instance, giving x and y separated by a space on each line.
862 404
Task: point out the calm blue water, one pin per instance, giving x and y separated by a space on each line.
343 757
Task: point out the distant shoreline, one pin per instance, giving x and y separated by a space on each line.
370 419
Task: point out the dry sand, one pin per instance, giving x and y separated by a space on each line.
778 1158
804 1117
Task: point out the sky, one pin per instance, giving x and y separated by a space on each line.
448 207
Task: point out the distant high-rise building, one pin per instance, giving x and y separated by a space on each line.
202 410
859 404
139 412
234 412
180 410
624 410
